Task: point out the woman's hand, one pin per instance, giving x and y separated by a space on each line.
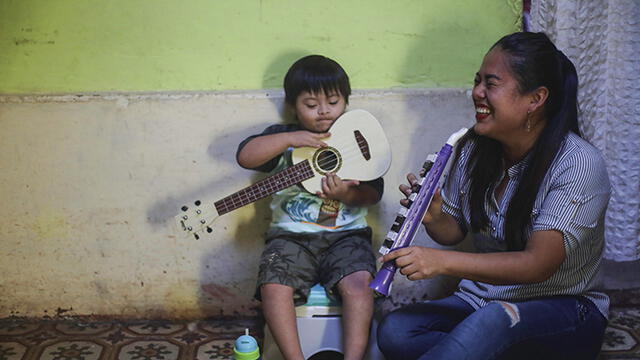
442 227
303 138
417 262
434 213
335 188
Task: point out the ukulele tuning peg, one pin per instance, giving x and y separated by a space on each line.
184 208
198 203
196 236
209 229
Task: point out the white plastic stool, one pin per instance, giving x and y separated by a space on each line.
320 330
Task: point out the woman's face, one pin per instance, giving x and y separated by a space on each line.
501 110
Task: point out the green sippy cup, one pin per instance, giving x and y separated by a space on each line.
246 347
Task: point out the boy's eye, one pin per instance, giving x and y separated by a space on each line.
311 106
333 102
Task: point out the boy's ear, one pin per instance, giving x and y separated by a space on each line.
538 98
289 113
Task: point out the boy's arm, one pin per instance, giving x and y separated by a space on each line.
258 150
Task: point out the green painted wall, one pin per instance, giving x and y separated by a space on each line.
69 46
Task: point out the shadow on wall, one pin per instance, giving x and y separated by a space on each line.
274 74
165 209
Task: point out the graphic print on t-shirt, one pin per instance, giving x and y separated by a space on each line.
328 213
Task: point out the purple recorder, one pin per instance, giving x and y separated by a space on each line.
409 218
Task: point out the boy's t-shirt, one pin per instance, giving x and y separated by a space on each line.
296 210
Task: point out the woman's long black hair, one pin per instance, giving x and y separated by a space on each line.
534 61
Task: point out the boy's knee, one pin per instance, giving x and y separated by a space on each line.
356 285
272 290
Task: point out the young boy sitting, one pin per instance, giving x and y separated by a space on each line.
314 238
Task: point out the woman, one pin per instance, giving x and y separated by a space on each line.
533 195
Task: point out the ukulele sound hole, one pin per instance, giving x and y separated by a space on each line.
327 160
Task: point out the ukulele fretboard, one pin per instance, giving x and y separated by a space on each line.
265 187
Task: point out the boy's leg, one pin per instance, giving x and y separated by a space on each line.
351 254
279 312
357 310
286 272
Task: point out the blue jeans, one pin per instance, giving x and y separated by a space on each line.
563 327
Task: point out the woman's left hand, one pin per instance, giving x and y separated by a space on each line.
417 262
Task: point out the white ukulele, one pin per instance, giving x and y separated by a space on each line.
357 149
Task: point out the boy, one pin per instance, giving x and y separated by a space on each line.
320 237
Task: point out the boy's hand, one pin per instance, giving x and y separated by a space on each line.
333 187
307 138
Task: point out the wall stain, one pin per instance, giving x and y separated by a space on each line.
51 225
24 41
409 35
217 291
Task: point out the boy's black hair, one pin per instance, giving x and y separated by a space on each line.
314 73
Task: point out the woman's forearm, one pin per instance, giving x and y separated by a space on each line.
445 231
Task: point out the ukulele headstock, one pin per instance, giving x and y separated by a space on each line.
196 219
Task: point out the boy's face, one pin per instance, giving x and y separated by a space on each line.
316 112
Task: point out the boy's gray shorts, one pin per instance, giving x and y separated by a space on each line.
301 260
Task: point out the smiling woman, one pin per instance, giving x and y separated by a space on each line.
519 187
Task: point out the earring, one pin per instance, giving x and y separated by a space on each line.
528 121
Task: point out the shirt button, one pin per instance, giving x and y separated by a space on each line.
493 228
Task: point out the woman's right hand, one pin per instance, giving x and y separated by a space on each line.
303 138
434 213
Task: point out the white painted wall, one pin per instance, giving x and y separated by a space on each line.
90 185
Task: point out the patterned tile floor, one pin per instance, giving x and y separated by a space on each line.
213 339
141 340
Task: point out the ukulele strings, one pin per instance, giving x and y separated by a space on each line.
351 151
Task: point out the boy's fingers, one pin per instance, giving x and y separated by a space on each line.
352 182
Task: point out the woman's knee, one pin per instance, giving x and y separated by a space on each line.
393 332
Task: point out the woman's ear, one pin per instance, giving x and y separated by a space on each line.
538 98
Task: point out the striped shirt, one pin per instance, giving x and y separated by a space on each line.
572 199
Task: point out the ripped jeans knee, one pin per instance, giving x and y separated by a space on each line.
512 311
